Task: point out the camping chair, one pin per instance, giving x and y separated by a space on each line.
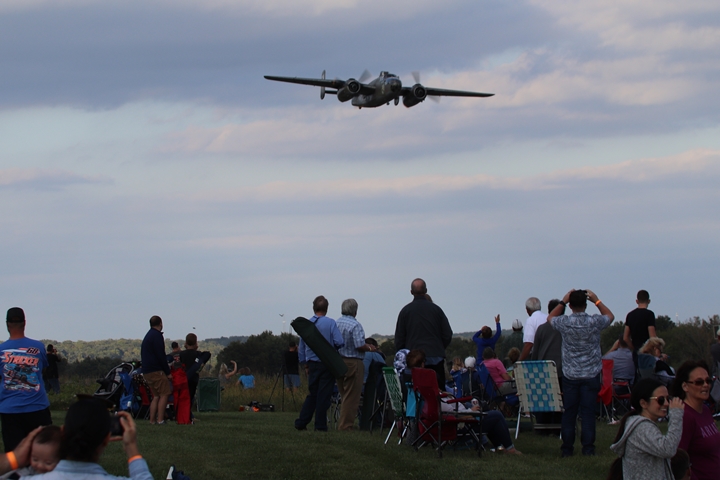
394 392
606 389
620 397
646 365
539 391
435 426
492 394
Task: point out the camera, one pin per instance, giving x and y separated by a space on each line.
116 428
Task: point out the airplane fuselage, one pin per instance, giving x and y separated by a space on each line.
388 88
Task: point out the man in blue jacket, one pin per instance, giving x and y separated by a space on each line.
156 370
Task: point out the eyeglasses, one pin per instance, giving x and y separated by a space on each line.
700 382
661 400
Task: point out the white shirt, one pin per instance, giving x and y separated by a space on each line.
532 324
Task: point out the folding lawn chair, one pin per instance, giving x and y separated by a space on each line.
606 389
539 391
435 426
394 392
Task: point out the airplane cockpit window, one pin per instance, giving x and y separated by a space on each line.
383 74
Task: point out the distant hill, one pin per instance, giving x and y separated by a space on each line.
128 349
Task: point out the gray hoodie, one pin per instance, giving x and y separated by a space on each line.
645 451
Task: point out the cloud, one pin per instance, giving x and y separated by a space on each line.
698 164
43 179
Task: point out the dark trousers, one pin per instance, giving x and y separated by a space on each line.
16 426
440 372
495 427
320 385
579 395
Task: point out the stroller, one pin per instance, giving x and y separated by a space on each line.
116 387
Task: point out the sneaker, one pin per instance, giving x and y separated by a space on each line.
170 473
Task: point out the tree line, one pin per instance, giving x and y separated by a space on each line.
263 353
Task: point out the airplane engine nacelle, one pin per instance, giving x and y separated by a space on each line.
417 94
349 90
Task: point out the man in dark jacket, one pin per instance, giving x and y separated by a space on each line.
156 370
422 325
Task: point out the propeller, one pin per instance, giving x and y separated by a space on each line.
365 76
322 89
416 77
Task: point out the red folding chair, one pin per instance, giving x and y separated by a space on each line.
435 426
606 388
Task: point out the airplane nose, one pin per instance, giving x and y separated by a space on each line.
395 85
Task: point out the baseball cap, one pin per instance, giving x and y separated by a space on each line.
517 325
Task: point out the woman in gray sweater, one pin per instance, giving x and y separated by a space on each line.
644 451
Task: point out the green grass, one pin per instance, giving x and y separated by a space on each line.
232 444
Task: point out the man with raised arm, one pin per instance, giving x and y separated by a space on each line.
582 365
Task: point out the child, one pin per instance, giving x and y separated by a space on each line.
44 456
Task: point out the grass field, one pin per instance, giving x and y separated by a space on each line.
232 444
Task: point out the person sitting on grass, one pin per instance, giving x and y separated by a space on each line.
45 453
247 380
493 422
85 435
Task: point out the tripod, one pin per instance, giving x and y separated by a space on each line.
281 374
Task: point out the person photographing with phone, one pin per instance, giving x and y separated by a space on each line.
582 364
88 429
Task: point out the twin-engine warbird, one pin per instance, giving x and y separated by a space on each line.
381 91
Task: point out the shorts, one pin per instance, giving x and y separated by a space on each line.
159 384
292 380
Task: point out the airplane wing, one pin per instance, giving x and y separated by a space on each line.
440 92
318 82
321 82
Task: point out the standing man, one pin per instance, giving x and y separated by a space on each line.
639 324
353 353
51 375
291 366
156 370
24 405
536 318
320 380
422 325
582 365
547 344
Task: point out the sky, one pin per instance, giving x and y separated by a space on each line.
147 168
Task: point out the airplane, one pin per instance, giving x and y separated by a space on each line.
382 90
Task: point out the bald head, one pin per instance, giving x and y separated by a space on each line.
418 287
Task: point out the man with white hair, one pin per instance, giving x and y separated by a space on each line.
536 318
353 353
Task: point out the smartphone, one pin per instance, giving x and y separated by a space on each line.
116 428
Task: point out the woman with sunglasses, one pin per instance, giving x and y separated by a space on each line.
644 451
700 436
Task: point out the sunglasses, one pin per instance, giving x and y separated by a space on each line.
661 400
700 382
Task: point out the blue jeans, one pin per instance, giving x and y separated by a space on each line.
320 385
579 395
